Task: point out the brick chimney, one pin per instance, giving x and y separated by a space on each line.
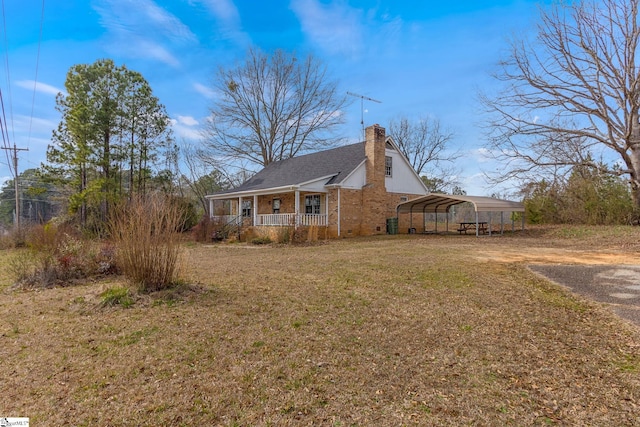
375 151
374 192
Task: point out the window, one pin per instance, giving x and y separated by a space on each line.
276 206
403 199
246 208
387 166
312 204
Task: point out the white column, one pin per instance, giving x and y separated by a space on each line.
239 215
210 208
297 207
255 210
326 207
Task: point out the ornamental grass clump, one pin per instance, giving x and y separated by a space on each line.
145 232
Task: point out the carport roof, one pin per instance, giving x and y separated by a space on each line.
440 203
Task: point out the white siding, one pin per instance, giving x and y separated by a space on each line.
403 179
357 179
314 186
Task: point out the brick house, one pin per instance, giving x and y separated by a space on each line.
346 191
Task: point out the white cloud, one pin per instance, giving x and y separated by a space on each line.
39 87
482 155
204 90
23 123
335 27
228 18
139 16
154 50
224 10
184 130
187 120
141 28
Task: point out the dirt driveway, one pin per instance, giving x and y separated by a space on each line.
606 276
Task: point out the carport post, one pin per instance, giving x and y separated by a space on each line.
490 224
477 231
410 217
436 220
447 222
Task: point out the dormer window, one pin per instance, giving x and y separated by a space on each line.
387 166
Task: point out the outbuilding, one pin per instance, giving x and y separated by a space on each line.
435 203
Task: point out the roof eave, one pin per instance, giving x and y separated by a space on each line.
259 192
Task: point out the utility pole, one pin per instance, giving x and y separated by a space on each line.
362 98
15 181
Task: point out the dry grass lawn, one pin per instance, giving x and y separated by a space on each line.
384 331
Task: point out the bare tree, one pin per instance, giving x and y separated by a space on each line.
200 177
426 145
572 94
272 107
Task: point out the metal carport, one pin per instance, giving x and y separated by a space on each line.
441 203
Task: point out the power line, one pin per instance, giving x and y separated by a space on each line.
35 81
15 181
5 133
6 60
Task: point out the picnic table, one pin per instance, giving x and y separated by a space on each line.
471 226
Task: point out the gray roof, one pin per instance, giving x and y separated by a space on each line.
337 163
435 202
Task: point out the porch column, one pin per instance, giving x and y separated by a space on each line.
297 207
210 208
239 214
255 210
326 207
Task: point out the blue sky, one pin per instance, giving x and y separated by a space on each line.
420 58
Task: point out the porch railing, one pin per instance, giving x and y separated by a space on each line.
227 219
277 220
288 219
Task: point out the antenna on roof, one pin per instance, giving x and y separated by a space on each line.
362 98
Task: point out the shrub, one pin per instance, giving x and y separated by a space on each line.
203 230
284 234
264 240
55 255
12 238
147 242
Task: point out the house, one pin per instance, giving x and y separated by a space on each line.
346 191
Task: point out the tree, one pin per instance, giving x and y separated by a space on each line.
572 94
200 177
109 117
425 144
587 196
36 199
272 107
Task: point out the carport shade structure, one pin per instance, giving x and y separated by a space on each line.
441 203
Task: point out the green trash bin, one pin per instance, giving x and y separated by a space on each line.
392 225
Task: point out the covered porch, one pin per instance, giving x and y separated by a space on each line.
283 208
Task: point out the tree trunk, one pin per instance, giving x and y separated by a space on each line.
634 164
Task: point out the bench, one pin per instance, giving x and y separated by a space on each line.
471 226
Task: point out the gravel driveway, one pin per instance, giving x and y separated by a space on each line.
615 285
